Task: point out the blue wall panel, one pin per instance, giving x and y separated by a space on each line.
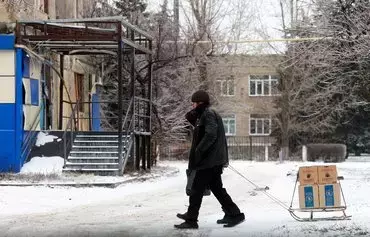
7 122
26 65
7 138
7 158
7 112
7 42
35 92
95 112
11 123
19 110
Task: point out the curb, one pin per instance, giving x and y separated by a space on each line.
83 185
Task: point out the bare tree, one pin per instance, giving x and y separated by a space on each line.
206 21
20 9
241 18
320 80
203 20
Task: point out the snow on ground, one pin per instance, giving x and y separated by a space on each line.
48 171
148 208
43 165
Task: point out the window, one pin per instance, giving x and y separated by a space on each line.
229 125
263 85
259 124
227 87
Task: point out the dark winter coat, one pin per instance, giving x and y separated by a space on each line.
209 147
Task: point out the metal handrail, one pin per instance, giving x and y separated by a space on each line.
69 127
92 102
31 135
126 137
129 143
127 113
127 146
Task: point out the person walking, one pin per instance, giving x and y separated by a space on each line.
208 157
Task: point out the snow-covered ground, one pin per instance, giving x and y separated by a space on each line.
43 165
48 171
148 208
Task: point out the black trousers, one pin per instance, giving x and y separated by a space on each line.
210 178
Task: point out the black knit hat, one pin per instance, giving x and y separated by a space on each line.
200 96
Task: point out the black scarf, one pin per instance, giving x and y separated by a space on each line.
194 114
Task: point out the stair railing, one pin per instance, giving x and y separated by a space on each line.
129 143
71 129
128 136
31 136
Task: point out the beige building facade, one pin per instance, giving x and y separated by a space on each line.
244 88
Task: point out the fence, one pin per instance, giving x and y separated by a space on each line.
243 148
253 148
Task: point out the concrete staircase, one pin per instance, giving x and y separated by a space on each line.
95 152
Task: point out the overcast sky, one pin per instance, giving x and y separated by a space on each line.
266 23
268 11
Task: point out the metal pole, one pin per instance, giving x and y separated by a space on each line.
176 11
148 152
137 155
90 109
120 101
150 95
250 148
133 96
61 84
65 148
73 125
143 153
78 114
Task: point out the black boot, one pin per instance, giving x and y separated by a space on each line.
187 225
226 217
235 220
183 216
224 220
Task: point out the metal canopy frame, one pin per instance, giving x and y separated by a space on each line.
93 36
66 35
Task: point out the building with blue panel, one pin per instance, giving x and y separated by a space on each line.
11 105
20 104
49 84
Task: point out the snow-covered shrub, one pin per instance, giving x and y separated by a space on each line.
326 152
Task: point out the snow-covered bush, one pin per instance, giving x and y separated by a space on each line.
326 152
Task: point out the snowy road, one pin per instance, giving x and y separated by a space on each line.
149 208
